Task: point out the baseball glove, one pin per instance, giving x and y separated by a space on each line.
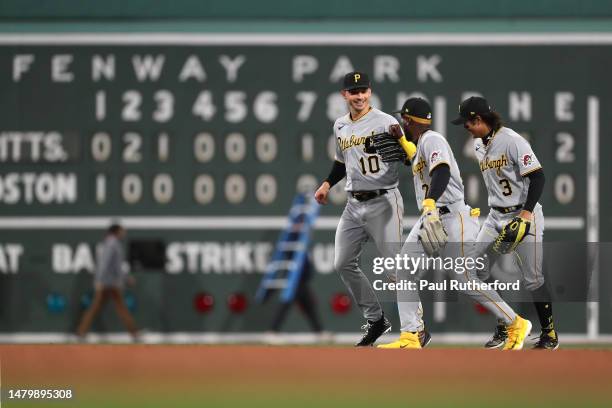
432 235
511 235
386 146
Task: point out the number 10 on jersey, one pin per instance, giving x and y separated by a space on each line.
370 165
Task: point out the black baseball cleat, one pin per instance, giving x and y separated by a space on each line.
499 338
424 338
373 330
549 340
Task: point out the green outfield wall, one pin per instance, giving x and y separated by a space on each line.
202 141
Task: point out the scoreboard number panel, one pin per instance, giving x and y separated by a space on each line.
103 128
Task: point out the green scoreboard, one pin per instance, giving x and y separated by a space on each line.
202 140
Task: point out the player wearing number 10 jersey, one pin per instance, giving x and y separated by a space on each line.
374 208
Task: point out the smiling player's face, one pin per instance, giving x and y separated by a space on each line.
358 99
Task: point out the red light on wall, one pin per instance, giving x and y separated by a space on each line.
203 302
340 303
237 302
480 309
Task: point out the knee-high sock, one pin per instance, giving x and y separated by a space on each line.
543 305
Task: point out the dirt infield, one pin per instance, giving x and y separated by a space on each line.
181 376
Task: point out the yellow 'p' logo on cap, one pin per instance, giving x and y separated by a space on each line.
357 77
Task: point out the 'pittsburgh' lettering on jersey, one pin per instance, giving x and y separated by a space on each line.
347 143
495 164
418 167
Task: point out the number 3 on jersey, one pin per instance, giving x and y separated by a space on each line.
372 165
506 186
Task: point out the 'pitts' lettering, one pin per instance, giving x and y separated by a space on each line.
418 168
347 143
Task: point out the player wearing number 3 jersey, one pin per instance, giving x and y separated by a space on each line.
374 208
515 180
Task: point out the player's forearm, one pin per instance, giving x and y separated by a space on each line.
409 147
337 173
440 177
536 188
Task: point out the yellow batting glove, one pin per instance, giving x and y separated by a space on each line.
432 235
428 204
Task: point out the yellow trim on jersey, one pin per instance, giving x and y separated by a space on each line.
399 218
461 219
530 171
535 251
419 120
437 164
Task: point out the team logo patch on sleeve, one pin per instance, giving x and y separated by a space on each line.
435 157
527 160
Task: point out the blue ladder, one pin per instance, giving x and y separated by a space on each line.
285 268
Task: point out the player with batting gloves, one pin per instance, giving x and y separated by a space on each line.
515 180
445 229
374 208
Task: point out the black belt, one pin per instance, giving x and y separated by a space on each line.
367 195
506 210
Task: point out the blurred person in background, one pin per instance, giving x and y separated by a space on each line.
109 280
306 301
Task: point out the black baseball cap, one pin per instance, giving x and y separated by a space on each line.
472 106
356 80
418 109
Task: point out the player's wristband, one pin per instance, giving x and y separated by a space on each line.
409 147
429 204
